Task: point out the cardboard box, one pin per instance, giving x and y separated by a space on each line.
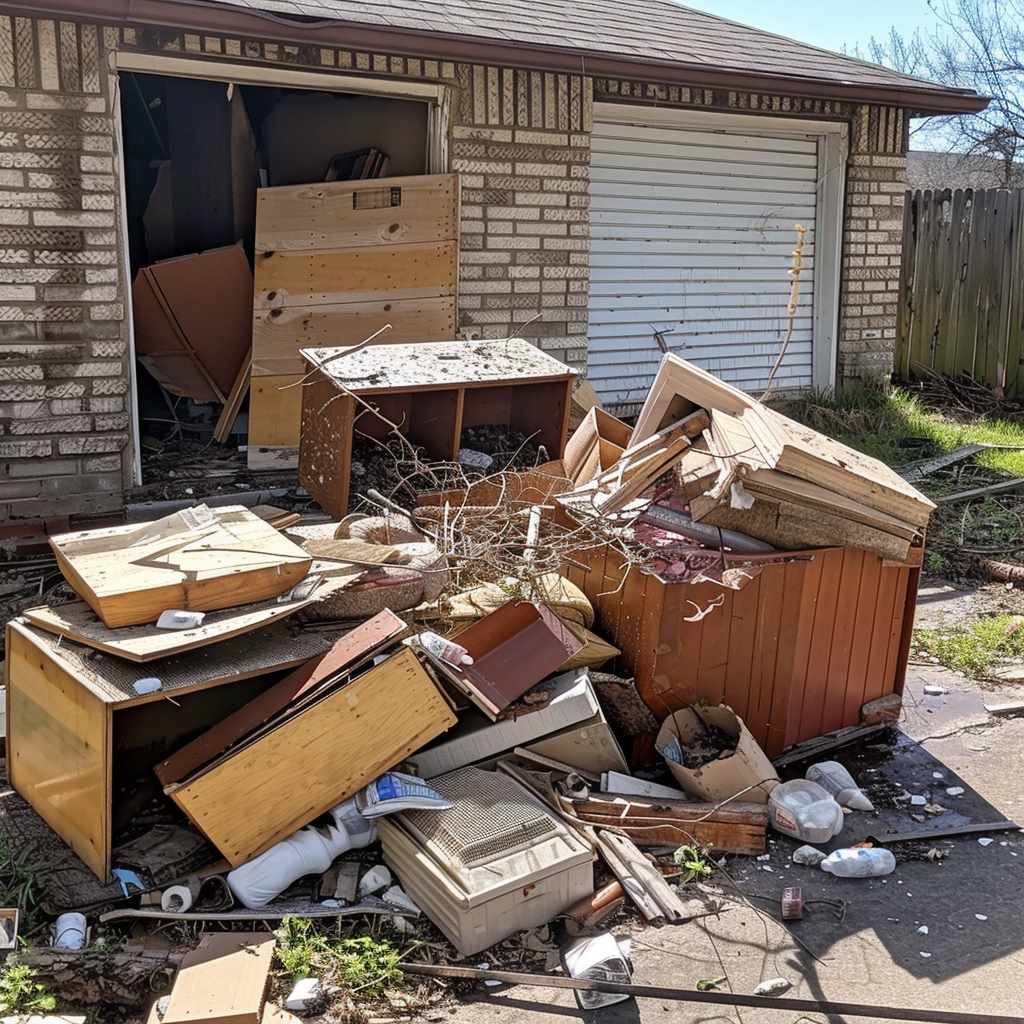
745 764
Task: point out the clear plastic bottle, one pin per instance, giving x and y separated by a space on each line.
859 862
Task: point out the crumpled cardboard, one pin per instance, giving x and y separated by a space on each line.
733 770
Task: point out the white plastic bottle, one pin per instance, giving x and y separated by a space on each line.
859 862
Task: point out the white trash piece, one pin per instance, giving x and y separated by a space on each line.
838 782
598 958
304 992
398 897
69 931
773 987
309 851
808 855
860 862
804 811
375 880
177 618
148 685
397 791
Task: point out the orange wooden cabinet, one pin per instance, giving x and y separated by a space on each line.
796 653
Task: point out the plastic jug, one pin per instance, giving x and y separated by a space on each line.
805 811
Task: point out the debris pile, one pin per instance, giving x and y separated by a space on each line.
476 709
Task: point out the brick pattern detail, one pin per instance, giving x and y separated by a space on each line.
872 244
62 335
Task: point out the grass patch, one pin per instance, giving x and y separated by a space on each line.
977 649
883 423
21 993
360 965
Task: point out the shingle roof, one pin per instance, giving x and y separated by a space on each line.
644 31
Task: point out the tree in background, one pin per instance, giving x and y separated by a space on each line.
972 44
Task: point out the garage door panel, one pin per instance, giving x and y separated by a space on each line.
726 174
692 138
692 233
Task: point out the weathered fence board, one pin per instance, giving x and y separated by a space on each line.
962 286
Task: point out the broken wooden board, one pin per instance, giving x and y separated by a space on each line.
223 980
246 801
198 559
274 911
792 527
735 828
233 402
80 623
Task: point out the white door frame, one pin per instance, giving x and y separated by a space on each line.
436 96
832 139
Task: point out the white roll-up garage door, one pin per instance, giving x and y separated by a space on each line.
692 231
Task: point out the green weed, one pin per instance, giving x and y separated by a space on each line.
977 649
358 964
694 863
21 993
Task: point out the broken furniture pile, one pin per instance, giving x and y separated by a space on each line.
433 677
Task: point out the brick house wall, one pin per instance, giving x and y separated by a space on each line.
520 140
64 378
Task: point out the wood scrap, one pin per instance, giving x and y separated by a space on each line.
1006 487
735 828
645 873
234 400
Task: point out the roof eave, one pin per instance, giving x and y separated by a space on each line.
204 16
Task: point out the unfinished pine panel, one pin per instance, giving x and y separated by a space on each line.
772 651
280 332
130 574
344 214
75 724
262 793
335 262
58 743
323 277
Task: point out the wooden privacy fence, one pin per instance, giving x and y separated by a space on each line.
962 286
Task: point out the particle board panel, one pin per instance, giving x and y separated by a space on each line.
279 333
345 214
58 743
130 574
266 791
78 622
112 680
415 271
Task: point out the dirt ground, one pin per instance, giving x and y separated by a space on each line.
972 901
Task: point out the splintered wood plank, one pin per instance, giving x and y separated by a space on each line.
261 793
58 737
279 333
285 279
223 980
343 214
130 574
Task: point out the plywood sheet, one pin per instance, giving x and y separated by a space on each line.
343 214
278 334
220 558
267 790
313 278
140 644
112 680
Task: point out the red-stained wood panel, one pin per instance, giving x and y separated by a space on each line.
798 651
816 684
842 639
860 648
740 690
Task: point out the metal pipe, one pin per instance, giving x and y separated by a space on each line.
715 998
703 533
